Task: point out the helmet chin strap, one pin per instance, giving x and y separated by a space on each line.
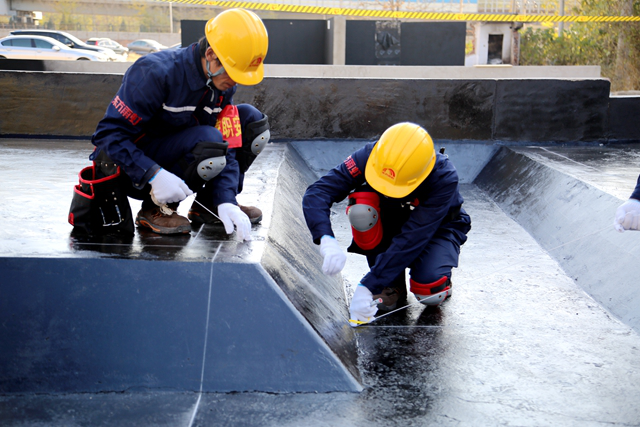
212 75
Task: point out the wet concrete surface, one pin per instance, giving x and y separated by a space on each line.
612 169
518 344
39 176
570 215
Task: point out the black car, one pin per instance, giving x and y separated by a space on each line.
69 40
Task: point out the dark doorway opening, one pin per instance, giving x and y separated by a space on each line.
495 49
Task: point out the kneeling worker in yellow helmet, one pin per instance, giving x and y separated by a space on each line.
405 211
173 129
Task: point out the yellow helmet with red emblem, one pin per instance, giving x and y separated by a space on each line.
399 162
240 40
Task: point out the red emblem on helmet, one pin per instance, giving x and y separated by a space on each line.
389 173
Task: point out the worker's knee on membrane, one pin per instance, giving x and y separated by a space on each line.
363 212
432 293
209 159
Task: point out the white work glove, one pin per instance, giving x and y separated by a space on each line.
168 188
231 215
628 216
362 308
334 257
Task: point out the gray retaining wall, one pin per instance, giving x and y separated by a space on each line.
542 110
572 220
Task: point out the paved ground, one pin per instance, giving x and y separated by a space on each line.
518 344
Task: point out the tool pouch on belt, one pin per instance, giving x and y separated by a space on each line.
100 205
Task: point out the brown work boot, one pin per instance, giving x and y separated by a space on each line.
390 298
199 215
162 223
254 214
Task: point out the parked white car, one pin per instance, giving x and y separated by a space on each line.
46 48
67 39
120 50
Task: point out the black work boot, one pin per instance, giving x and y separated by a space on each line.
163 223
199 215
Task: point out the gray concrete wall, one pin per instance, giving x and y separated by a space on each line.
490 72
487 110
53 104
433 72
542 110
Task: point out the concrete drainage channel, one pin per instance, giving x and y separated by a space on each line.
568 217
519 343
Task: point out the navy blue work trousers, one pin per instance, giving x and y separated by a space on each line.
168 150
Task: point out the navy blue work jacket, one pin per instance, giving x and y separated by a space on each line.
636 191
437 194
162 94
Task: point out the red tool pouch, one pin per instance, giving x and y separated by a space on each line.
100 205
364 215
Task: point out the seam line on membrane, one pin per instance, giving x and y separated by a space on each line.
206 334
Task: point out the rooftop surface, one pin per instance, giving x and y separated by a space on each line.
520 343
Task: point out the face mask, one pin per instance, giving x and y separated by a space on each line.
212 75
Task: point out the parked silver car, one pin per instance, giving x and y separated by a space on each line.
69 40
46 48
144 46
111 44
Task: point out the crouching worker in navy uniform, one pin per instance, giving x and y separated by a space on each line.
405 211
173 130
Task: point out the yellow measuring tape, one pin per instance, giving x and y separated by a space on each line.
427 16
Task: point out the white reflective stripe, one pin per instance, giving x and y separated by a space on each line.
214 110
178 109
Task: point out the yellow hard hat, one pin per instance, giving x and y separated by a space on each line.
239 39
399 162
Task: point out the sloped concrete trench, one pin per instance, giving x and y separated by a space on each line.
521 342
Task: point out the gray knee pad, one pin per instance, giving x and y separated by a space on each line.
362 217
209 161
255 137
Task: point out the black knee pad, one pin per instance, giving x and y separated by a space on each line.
255 137
209 160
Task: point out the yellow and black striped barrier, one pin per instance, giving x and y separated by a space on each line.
426 16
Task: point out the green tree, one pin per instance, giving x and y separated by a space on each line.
615 47
152 18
